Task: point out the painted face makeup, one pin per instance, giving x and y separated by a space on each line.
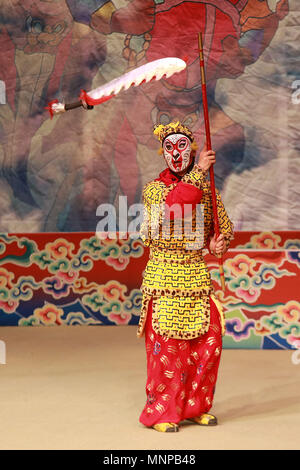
177 152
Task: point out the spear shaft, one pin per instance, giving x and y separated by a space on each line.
208 146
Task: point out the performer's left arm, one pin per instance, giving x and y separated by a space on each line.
219 245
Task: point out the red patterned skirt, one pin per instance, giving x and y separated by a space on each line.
181 374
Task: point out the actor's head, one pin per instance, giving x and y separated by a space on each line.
178 146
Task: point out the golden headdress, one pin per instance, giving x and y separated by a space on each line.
161 132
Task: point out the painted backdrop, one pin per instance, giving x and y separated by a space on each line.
54 174
78 279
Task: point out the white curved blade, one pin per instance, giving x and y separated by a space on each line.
152 70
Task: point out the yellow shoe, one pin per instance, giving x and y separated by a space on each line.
166 427
205 420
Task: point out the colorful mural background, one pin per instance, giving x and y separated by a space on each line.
54 174
79 279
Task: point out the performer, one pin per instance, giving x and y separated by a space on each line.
181 319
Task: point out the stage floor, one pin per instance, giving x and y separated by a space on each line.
84 388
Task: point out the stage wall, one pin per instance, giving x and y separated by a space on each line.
78 279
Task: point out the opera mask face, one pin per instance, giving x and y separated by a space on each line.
177 152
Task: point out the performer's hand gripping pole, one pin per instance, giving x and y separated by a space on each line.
208 145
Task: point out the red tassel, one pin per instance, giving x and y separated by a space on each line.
49 107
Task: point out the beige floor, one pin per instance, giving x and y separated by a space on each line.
84 387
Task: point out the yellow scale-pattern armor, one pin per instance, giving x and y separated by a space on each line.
176 277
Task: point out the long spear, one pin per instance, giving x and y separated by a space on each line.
208 146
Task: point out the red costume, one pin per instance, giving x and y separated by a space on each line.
182 320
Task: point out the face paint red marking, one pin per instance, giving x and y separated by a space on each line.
177 152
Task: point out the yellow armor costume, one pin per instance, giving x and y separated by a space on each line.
176 277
